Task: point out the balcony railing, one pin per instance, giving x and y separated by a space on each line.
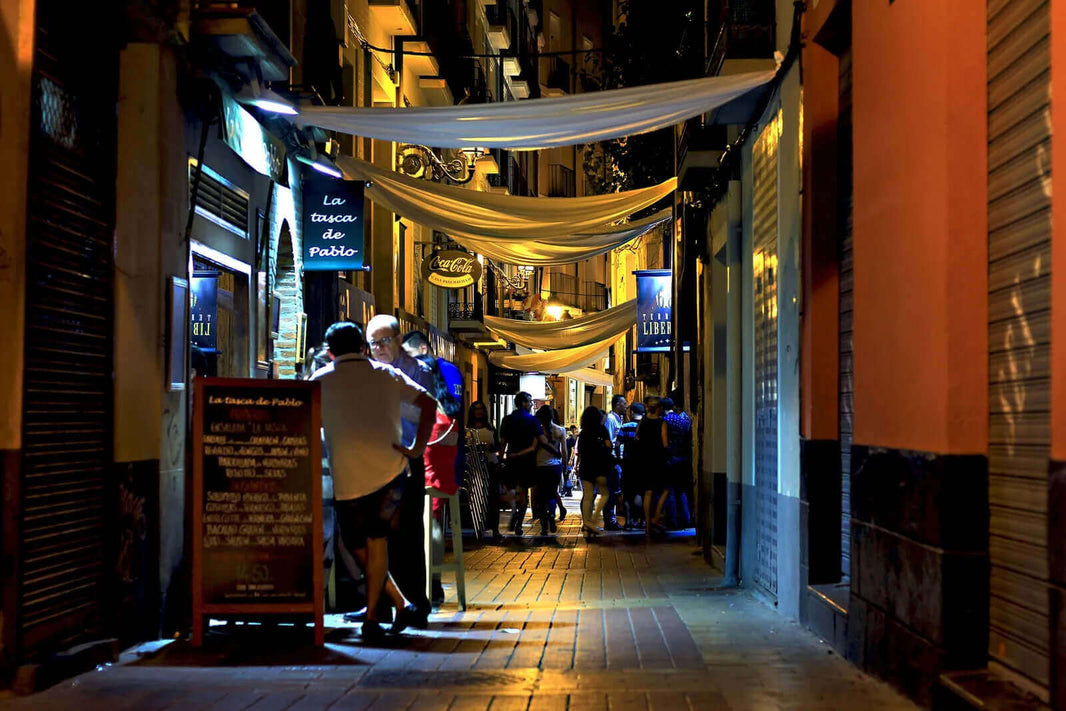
464 311
510 176
562 181
745 29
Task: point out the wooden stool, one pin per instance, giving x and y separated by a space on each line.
457 544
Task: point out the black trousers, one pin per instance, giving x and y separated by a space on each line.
407 553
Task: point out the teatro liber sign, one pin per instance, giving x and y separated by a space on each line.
451 269
654 297
333 224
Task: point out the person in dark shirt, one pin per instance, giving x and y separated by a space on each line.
595 462
652 439
629 452
520 435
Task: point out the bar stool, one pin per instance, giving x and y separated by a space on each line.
457 544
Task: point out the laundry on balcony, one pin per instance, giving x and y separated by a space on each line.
572 333
455 210
540 123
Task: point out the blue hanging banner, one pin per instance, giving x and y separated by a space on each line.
654 300
333 224
203 309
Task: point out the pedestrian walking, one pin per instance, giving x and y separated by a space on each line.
368 460
549 471
652 439
679 460
478 421
520 435
629 453
594 460
615 419
440 458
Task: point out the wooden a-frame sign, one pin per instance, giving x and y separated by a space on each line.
257 501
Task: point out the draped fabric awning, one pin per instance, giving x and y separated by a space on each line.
555 361
458 211
566 250
591 377
572 333
540 123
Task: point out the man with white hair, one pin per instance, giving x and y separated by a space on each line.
407 547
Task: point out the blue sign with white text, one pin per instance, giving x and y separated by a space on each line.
654 301
203 310
333 224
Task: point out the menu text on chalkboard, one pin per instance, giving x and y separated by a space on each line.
332 223
257 520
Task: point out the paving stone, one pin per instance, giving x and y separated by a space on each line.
615 623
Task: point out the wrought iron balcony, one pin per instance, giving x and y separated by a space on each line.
741 29
464 311
558 74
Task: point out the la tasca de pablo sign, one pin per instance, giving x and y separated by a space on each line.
333 224
451 269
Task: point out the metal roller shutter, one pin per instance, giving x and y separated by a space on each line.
847 308
1019 302
67 419
764 243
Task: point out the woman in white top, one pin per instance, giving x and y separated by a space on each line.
477 419
549 470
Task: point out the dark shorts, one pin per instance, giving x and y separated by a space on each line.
372 516
519 472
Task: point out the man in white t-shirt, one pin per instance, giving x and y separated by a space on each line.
362 403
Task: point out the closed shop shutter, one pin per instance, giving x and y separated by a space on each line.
764 244
67 418
1019 251
847 309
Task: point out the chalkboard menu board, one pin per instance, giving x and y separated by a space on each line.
257 487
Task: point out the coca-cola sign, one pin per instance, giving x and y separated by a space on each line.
451 269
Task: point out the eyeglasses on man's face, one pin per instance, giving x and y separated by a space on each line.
380 343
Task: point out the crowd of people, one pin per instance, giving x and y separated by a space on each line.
633 465
393 425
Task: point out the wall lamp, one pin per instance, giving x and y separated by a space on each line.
257 95
319 162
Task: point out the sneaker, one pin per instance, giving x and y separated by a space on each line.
372 632
611 526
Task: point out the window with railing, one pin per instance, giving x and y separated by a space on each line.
562 181
740 29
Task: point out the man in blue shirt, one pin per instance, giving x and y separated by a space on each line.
520 435
415 343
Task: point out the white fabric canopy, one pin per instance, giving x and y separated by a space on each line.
591 377
540 123
556 361
564 250
459 211
572 333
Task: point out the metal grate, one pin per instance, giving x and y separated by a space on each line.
846 381
764 244
220 201
67 416
1019 334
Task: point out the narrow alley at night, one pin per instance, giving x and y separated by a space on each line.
532 354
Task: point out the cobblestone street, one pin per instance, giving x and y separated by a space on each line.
615 623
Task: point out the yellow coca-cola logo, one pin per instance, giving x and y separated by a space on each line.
451 269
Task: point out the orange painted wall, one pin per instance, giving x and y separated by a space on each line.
821 290
920 161
1058 234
